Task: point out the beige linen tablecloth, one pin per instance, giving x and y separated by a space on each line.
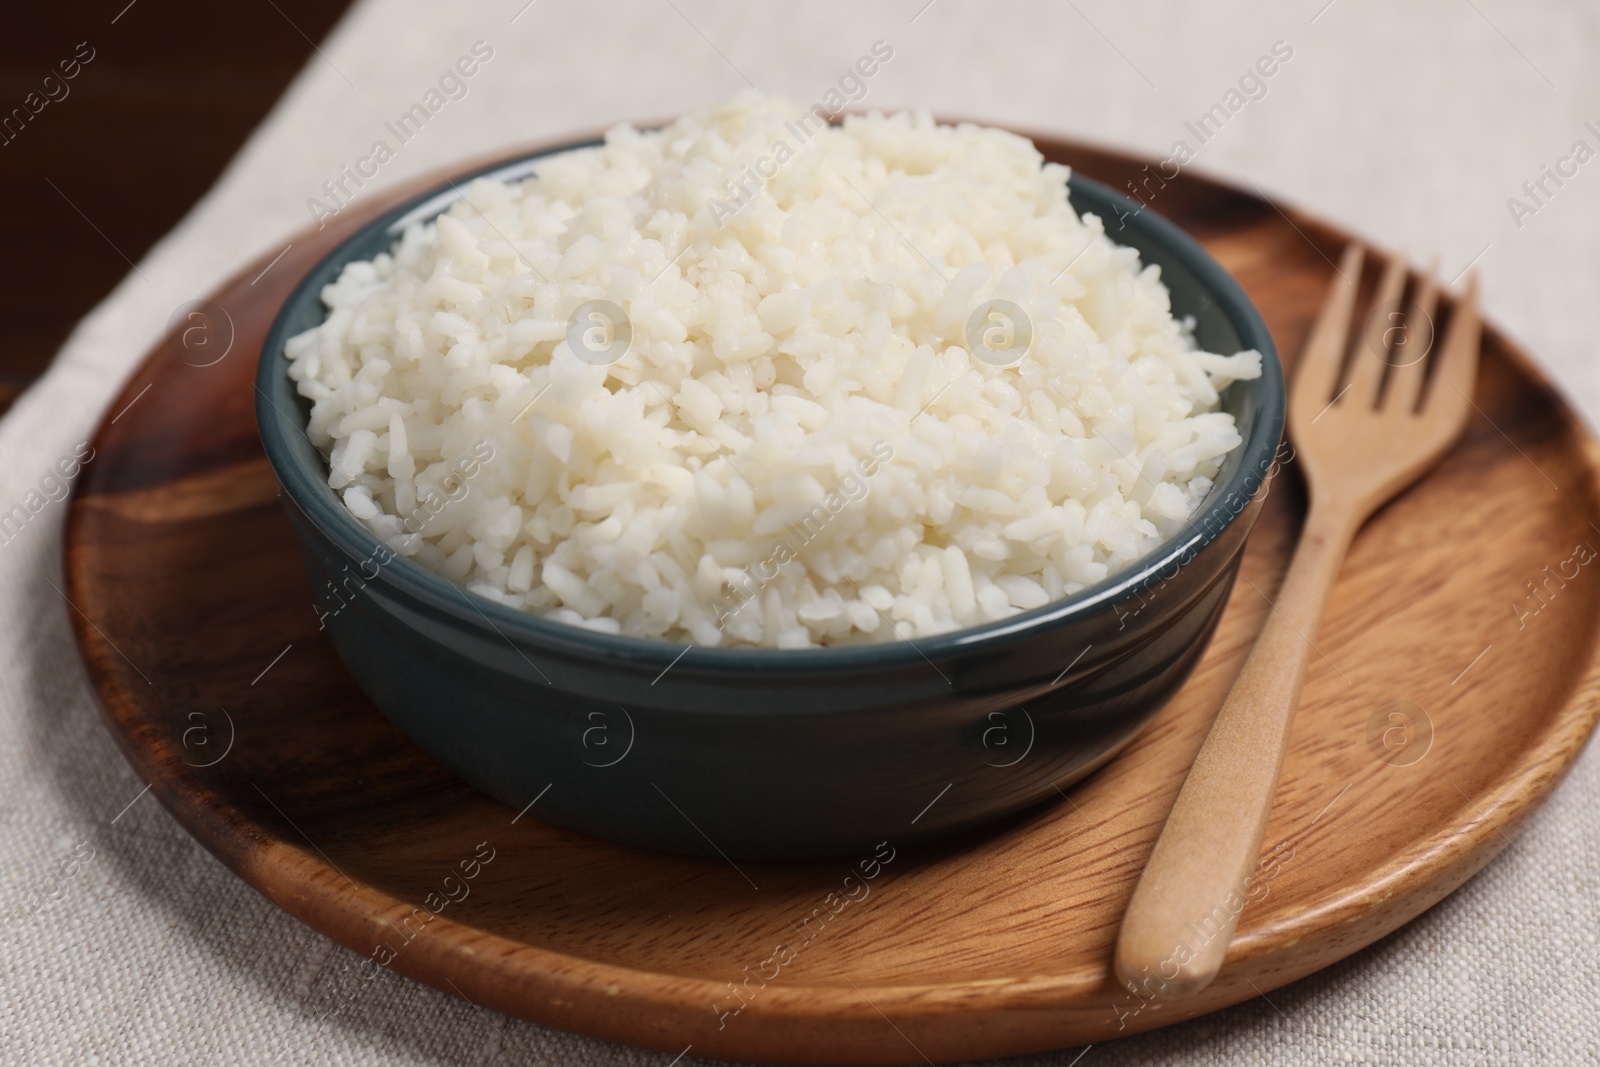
123 941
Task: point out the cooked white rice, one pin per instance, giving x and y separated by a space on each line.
799 447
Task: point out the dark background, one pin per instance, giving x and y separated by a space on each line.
173 90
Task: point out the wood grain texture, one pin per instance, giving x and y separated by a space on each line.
1357 446
188 587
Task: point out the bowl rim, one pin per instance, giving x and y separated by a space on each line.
309 492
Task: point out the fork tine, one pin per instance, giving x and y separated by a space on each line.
1372 348
1450 390
1317 376
1405 379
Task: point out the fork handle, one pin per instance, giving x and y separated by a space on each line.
1185 906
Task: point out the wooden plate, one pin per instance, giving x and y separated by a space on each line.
1457 681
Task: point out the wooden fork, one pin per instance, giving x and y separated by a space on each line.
1359 446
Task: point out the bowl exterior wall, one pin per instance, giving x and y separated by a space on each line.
705 761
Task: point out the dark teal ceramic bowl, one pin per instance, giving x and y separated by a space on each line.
756 752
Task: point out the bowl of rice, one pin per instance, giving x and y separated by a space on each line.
763 486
